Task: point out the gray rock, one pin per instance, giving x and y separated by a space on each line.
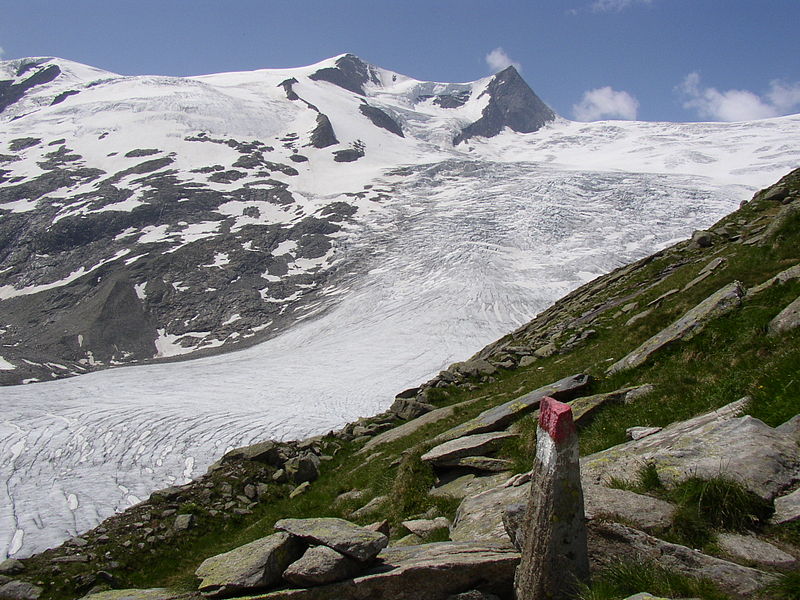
609 542
789 274
380 526
647 596
719 303
637 433
133 594
20 590
425 527
475 367
300 489
481 463
302 468
470 445
787 508
703 239
251 567
410 408
750 549
412 539
468 485
786 320
408 428
430 571
348 538
499 417
638 317
320 565
545 351
266 452
72 558
642 511
791 428
11 566
526 361
584 408
369 508
513 520
183 522
480 517
348 496
762 459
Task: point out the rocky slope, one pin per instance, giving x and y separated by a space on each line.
671 349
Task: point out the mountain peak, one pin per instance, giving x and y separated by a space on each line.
512 104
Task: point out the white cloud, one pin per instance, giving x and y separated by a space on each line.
738 105
498 60
606 103
616 5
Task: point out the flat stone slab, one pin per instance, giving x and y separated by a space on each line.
750 549
251 567
642 511
470 445
480 517
787 508
469 485
761 458
789 274
717 304
346 537
499 417
584 408
20 590
482 463
424 527
320 565
431 571
609 542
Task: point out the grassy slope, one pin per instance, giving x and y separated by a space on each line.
732 358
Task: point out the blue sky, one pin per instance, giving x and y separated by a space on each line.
672 60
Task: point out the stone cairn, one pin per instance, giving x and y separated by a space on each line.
554 552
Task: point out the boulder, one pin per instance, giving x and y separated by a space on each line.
348 538
369 508
786 320
300 489
750 549
132 594
470 445
11 566
475 367
425 527
410 408
251 567
787 508
693 322
430 571
266 452
611 542
320 565
183 522
473 595
761 458
300 469
20 590
499 417
703 239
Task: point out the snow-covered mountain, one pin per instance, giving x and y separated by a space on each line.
348 230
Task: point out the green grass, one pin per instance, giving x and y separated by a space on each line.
786 588
622 579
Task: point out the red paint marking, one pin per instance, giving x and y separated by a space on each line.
556 419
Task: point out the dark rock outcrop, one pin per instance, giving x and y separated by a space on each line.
11 92
350 73
381 119
511 104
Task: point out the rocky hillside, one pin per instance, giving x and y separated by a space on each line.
681 370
